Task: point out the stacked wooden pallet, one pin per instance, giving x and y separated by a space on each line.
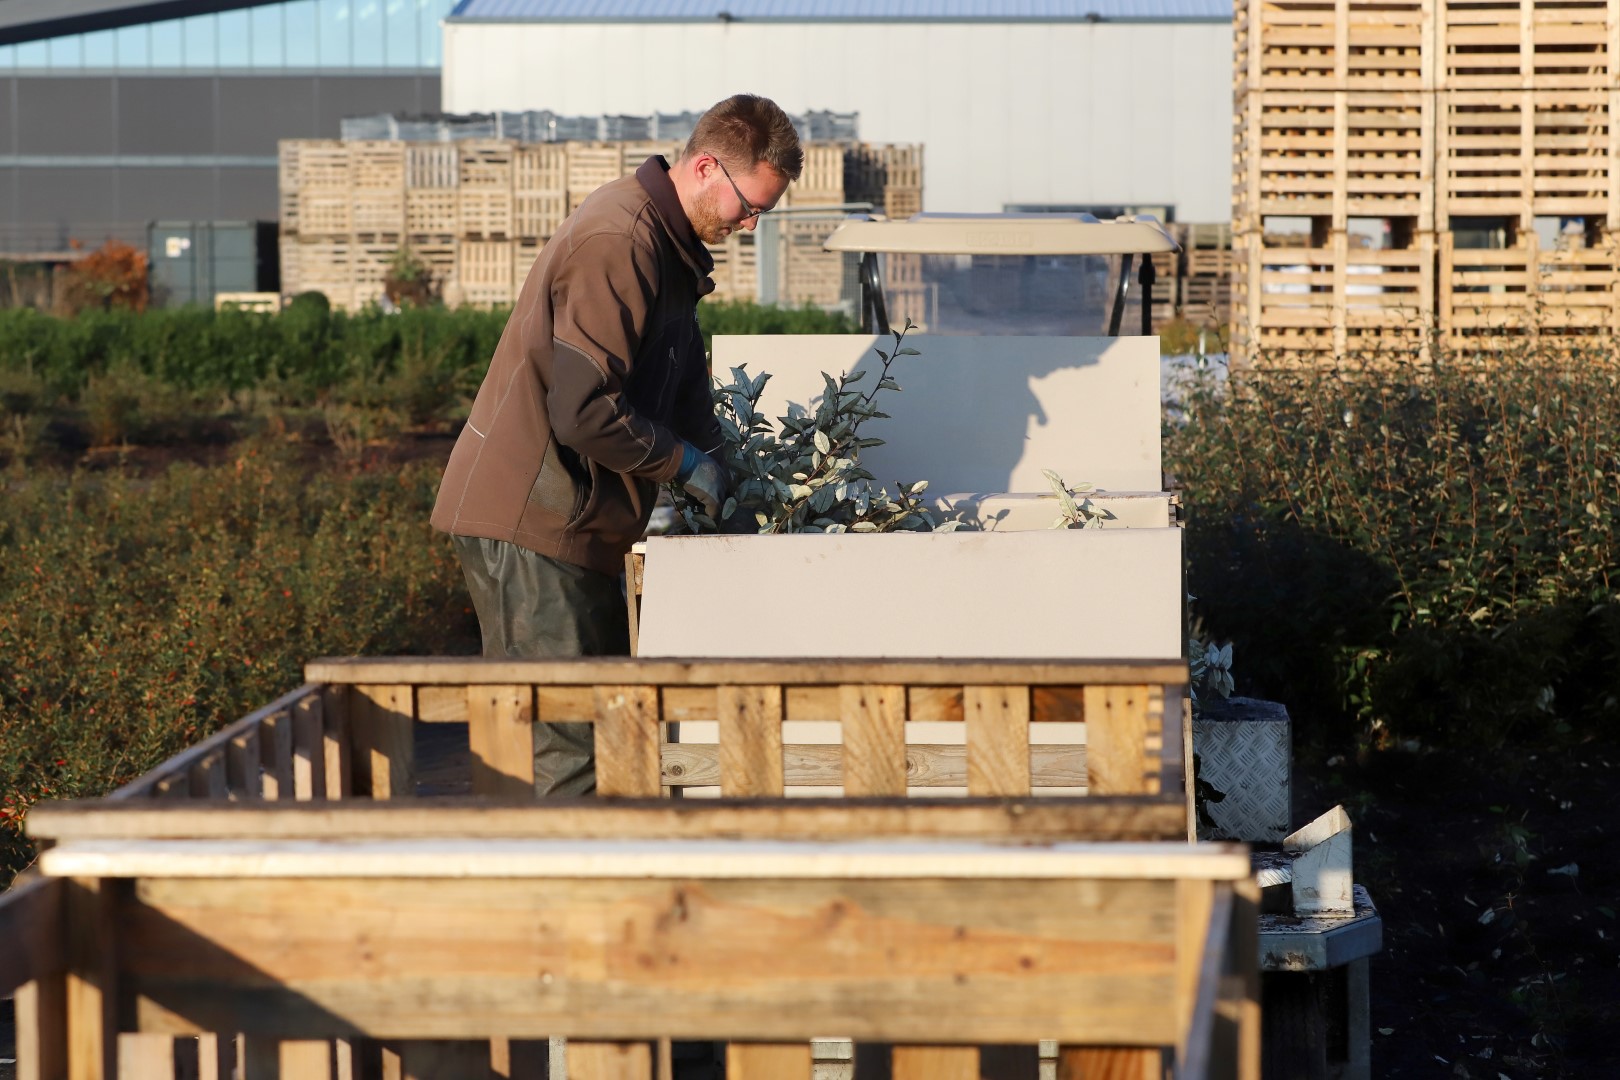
1435 119
478 212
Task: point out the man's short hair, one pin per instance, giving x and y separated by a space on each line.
745 130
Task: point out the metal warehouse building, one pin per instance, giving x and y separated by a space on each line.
1103 105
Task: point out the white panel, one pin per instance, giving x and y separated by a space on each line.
1053 113
1100 594
979 414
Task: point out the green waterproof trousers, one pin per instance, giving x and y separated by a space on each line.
532 607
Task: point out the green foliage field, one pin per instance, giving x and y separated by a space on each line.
1408 551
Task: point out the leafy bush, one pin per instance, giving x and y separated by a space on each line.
1413 550
139 615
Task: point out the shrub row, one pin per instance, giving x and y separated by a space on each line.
1410 550
138 615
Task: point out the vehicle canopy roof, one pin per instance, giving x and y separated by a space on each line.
1003 234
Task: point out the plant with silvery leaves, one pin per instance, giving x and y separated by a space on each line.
803 474
1075 508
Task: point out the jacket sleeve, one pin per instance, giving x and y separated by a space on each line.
694 406
600 301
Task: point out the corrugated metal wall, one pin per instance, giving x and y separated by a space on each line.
1041 114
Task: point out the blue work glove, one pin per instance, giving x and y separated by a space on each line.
703 479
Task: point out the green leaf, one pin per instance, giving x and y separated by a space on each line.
823 443
863 526
908 352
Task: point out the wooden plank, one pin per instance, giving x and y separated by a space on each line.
262 1059
627 741
750 740
934 1063
339 765
207 777
500 732
217 1056
609 1061
1097 818
275 750
383 743
242 765
773 960
1204 921
41 1019
874 730
443 1059
156 1057
31 925
142 786
592 671
633 563
307 1059
926 765
1124 727
1243 964
92 990
997 739
520 1059
309 749
768 1061
1110 1063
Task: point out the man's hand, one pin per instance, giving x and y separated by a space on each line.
703 479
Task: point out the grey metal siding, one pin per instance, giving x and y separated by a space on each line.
161 115
65 116
250 107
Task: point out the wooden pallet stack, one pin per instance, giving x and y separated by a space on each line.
1479 132
479 211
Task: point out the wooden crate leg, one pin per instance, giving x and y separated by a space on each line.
609 1060
41 1011
933 1063
216 1057
520 1059
768 1061
91 992
1110 1063
155 1057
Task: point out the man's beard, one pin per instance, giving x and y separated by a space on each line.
706 219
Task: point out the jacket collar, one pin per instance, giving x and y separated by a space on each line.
654 177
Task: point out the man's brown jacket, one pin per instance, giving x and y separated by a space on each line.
598 377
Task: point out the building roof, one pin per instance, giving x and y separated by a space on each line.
35 20
597 11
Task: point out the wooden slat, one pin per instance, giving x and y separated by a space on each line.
216 1056
1097 818
175 787
768 1061
92 991
935 1063
309 749
500 732
594 671
1205 921
41 1020
750 740
306 1058
645 959
609 1061
520 1059
443 1059
1109 1063
275 754
1123 737
335 717
242 764
997 739
208 776
822 765
156 1057
627 741
1243 963
262 1059
874 729
384 745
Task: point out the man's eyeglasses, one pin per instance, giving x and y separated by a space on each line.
749 209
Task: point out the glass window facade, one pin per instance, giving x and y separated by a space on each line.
298 34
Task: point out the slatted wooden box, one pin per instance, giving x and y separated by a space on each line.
355 733
1326 45
1526 44
1527 292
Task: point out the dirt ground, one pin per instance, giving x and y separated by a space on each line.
1498 878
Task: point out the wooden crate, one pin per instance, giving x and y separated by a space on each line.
485 164
538 215
808 273
323 266
1312 45
484 213
325 215
542 167
1522 154
323 165
370 264
590 165
823 168
635 153
869 169
287 183
376 166
1334 154
484 272
1527 45
1527 292
524 253
379 214
432 212
432 165
900 203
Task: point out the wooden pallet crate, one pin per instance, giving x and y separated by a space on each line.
287 183
541 167
538 214
798 195
439 255
635 153
325 214
323 165
1529 292
868 169
823 168
484 213
809 274
351 735
376 166
1522 154
742 259
432 165
900 203
484 272
1343 45
1528 45
379 213
590 165
1334 154
524 253
323 266
432 211
485 164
